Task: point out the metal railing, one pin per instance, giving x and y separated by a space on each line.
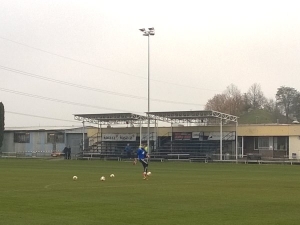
27 154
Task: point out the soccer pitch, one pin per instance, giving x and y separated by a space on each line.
42 192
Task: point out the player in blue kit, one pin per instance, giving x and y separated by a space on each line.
143 156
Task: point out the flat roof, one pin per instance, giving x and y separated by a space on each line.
38 128
168 116
190 116
111 118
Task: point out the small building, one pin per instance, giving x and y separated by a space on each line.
270 140
41 141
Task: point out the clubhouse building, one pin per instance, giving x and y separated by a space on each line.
183 135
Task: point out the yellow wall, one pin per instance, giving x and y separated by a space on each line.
243 130
294 129
162 131
203 128
91 131
269 130
294 146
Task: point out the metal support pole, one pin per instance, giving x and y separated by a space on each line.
100 138
147 33
236 141
82 135
242 152
156 134
148 130
98 131
171 137
221 137
141 133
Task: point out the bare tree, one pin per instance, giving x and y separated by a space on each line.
285 98
255 96
216 103
234 100
270 105
230 101
246 103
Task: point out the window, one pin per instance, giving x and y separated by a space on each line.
21 137
280 143
261 143
55 138
256 143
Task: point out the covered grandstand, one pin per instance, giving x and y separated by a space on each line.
190 134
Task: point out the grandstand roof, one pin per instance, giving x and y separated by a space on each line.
190 116
111 118
170 116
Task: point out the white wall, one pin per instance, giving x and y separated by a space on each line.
8 143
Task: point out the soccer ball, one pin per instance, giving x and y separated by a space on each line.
149 173
112 175
75 177
102 178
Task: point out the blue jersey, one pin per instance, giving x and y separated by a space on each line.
141 153
128 148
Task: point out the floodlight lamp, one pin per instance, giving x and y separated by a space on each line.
142 29
151 28
145 34
152 32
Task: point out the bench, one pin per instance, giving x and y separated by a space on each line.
178 156
199 159
91 155
112 157
253 156
156 159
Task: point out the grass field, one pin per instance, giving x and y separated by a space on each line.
42 192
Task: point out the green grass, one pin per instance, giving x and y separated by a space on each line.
42 192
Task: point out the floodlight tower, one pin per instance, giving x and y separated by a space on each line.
148 32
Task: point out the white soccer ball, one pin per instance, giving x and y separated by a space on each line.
149 173
102 178
112 175
75 177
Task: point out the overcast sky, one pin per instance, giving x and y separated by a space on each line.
64 57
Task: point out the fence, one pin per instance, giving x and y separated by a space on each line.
31 154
